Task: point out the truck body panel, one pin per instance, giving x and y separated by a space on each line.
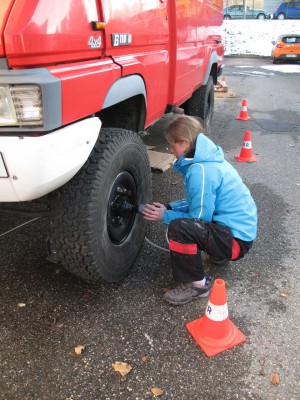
42 32
5 7
84 86
168 49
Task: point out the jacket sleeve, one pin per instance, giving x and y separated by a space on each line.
179 209
169 215
180 205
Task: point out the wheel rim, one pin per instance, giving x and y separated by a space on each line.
121 207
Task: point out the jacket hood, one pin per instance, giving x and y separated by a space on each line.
205 151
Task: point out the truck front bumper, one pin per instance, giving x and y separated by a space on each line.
33 166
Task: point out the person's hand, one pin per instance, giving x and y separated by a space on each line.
154 212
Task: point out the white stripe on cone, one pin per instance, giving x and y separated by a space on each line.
247 145
216 313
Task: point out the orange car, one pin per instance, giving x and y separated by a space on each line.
286 48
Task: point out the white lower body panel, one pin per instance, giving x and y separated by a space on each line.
31 167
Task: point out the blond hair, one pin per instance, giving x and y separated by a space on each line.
183 127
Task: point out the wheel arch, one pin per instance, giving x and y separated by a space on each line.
212 69
124 88
125 104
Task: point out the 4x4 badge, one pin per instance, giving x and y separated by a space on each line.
94 43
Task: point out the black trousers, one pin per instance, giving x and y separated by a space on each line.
189 237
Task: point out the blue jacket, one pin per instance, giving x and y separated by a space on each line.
214 192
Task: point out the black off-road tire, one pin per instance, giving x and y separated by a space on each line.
201 104
89 235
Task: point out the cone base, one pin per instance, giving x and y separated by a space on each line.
212 346
243 118
248 159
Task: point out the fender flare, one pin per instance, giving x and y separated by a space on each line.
125 88
213 60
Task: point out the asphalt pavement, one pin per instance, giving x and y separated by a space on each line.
61 337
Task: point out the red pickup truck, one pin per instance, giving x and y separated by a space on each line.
79 79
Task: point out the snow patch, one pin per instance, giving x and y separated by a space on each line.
285 68
254 37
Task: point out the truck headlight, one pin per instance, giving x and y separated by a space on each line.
21 105
7 110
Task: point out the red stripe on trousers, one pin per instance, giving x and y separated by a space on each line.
235 249
183 248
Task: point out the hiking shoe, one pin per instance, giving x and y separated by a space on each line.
186 292
219 262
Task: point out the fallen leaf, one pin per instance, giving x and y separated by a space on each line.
145 359
156 391
122 368
274 378
79 349
21 305
284 294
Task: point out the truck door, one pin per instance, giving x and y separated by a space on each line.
187 36
136 38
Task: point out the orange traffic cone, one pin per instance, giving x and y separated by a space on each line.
223 83
244 113
214 332
246 152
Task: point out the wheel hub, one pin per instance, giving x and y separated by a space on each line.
121 210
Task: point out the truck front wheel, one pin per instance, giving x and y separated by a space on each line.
201 104
95 230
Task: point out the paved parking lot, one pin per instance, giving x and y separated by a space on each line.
46 313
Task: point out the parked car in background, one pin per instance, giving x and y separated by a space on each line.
286 48
289 10
237 12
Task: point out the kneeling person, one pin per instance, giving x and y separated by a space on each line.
218 215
